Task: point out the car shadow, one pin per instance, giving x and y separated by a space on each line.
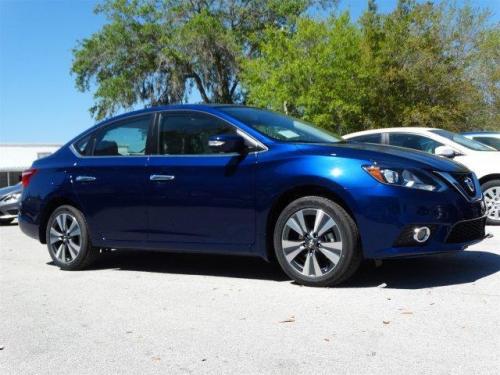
415 273
429 271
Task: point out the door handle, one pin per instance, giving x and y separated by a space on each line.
85 178
161 177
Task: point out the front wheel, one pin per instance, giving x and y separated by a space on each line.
316 242
491 191
68 239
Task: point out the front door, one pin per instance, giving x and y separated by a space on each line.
199 199
110 182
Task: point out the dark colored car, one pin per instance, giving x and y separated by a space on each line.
491 139
240 180
10 199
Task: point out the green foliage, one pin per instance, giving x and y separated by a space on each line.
155 51
421 65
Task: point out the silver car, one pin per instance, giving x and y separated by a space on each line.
10 198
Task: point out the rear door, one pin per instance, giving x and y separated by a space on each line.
110 182
198 198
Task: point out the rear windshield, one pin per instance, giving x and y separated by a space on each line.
461 140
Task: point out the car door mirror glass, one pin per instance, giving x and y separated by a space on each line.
226 143
445 151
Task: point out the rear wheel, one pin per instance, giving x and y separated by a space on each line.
316 242
68 239
491 191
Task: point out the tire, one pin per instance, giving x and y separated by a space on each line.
334 255
6 221
491 191
76 252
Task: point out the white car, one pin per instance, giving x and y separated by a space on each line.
483 160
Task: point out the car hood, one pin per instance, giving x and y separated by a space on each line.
11 189
384 154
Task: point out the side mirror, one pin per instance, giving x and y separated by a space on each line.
445 151
226 143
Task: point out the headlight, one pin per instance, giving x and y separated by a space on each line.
404 177
13 197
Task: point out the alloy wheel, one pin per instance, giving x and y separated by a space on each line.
492 200
311 242
65 238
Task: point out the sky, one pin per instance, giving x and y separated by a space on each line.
39 102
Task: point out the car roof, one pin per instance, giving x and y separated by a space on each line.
390 130
481 133
199 107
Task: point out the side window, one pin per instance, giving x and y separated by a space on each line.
489 141
83 146
369 138
414 141
125 139
188 133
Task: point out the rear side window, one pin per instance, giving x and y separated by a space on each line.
369 138
414 141
188 133
128 138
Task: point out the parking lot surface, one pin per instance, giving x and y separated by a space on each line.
140 312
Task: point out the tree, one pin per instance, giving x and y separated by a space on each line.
421 65
155 51
312 72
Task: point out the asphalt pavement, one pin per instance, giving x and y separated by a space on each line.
155 313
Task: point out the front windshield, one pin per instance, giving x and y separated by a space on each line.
461 140
280 127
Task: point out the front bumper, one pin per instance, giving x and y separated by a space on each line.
9 210
386 213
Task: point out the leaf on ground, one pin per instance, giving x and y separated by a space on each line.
386 321
291 319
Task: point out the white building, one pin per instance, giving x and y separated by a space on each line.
15 158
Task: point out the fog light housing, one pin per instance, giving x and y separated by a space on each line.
421 234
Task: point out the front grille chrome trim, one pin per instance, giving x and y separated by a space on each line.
452 180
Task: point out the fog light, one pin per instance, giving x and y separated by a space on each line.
421 234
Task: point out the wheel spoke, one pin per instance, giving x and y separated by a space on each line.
60 252
73 249
306 270
61 221
329 224
316 268
292 249
332 253
55 236
292 223
74 230
302 223
317 221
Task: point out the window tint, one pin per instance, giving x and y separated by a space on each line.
461 140
188 133
83 145
126 139
369 138
416 142
489 141
280 127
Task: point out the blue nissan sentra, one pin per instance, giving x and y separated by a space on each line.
239 180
